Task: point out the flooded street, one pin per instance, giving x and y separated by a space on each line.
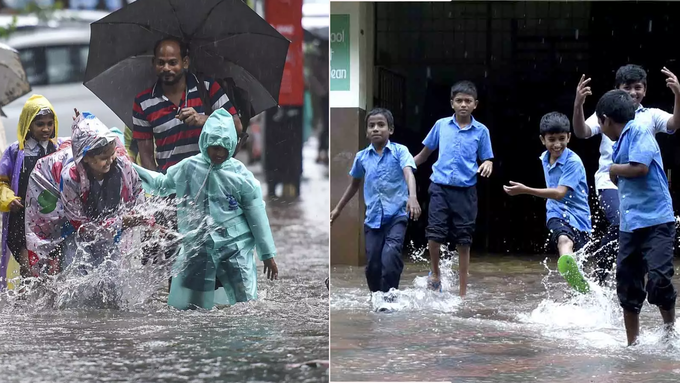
281 337
518 323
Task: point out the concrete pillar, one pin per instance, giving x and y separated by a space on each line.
351 93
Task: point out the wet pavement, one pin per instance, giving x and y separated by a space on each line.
281 337
518 323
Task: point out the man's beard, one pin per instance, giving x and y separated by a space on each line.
174 80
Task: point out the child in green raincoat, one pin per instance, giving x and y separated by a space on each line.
222 218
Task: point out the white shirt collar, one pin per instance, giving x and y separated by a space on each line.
32 144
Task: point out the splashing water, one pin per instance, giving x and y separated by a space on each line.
104 271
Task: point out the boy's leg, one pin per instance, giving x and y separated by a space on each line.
463 267
433 249
563 237
565 245
375 238
630 281
437 228
392 264
463 205
606 256
657 250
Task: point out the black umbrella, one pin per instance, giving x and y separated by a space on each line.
226 39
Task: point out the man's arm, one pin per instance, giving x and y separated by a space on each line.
630 170
431 142
349 193
517 188
146 154
421 157
642 148
672 82
485 155
142 133
412 205
581 129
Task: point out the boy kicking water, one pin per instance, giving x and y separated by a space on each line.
461 141
566 191
647 223
390 196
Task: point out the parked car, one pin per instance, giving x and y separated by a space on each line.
55 61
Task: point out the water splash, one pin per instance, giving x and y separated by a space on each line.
415 297
104 270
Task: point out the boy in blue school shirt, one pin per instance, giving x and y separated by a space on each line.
633 79
567 210
461 141
390 197
647 222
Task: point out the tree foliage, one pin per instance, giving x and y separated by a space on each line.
43 13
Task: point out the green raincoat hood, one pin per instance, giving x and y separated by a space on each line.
218 130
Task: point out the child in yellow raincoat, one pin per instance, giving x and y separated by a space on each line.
222 218
36 134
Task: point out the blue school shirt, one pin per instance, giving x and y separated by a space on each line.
459 150
644 201
568 171
385 189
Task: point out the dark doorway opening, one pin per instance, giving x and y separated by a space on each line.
526 59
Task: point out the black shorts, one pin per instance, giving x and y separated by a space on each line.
647 251
451 214
557 227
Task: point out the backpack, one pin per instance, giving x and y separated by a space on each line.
239 98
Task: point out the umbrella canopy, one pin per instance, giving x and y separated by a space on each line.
226 39
13 80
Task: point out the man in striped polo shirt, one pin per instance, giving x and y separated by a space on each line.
172 112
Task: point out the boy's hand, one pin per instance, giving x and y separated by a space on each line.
334 214
77 113
671 81
15 205
413 208
515 188
582 90
270 269
485 169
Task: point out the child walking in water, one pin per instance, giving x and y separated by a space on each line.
390 195
222 218
97 186
36 134
462 141
647 221
566 191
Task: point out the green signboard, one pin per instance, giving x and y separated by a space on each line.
340 52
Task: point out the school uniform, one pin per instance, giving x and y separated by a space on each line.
385 195
453 194
569 216
653 119
647 224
